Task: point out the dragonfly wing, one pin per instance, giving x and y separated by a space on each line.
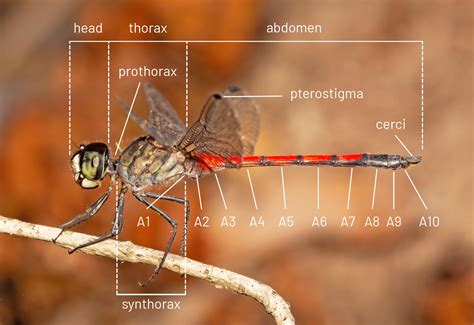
163 122
163 119
227 127
145 125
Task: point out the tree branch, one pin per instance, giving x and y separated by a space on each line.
274 304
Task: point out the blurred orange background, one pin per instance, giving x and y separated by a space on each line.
329 276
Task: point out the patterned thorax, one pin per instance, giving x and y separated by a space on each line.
145 163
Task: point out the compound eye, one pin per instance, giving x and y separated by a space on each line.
92 166
89 164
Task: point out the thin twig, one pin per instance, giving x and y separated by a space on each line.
274 304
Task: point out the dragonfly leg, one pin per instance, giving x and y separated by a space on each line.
86 215
117 225
141 198
186 215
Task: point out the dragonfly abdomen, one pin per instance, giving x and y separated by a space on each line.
352 160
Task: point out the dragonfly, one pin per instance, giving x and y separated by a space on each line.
223 137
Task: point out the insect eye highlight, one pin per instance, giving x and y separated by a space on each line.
95 161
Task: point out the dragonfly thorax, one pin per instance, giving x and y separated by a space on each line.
145 162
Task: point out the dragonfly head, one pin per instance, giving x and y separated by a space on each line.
90 164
